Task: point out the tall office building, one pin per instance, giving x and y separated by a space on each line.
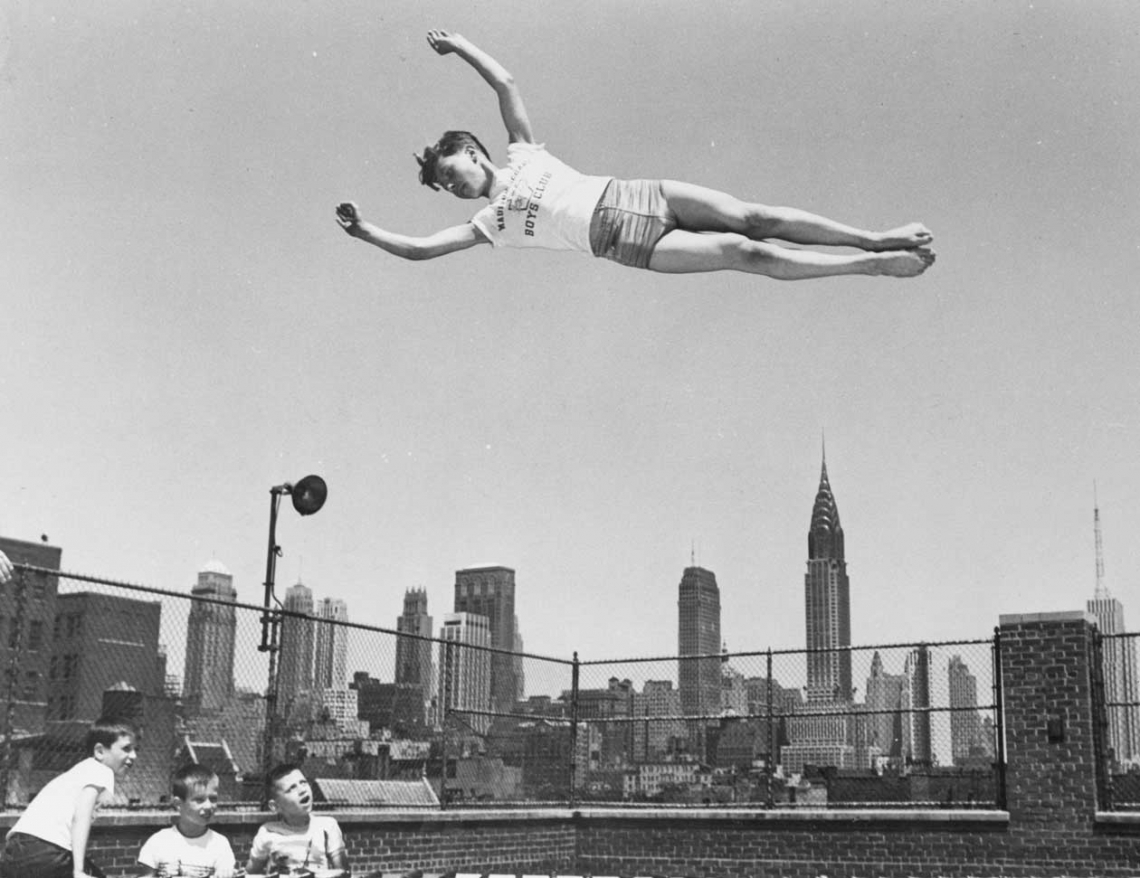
209 672
917 736
465 673
295 665
827 602
330 667
413 656
101 641
490 592
1118 661
698 634
885 695
654 738
27 608
966 740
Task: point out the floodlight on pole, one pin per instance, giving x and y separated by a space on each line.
308 495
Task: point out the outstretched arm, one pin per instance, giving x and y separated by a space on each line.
429 247
497 76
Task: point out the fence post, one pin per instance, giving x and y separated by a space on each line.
571 796
447 659
999 722
12 672
1101 740
770 762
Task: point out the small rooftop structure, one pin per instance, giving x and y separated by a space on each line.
382 793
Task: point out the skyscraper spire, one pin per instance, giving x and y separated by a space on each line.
825 536
827 601
1101 588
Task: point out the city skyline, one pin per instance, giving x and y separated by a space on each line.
208 332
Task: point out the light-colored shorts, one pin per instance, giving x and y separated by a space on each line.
631 217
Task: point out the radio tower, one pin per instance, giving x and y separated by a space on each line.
1101 590
1121 692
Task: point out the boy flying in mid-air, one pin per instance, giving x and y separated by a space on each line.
662 225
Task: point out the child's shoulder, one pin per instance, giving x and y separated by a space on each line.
276 826
90 772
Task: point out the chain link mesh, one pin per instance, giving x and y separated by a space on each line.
382 718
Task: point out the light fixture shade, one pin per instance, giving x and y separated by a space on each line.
309 495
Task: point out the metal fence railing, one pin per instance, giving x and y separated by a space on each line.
384 718
1117 706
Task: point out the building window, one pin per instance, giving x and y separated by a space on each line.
36 635
13 635
31 685
39 586
53 669
56 628
74 625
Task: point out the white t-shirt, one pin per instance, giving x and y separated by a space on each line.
203 855
537 201
280 844
52 812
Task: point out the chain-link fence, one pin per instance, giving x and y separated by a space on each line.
895 725
383 718
1117 696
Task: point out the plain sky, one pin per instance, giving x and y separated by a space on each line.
183 324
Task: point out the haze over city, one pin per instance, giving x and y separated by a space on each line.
185 325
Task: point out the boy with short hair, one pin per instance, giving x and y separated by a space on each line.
300 840
50 838
660 225
190 847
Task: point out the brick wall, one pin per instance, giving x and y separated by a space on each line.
1051 828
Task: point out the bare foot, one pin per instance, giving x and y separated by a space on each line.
906 237
903 263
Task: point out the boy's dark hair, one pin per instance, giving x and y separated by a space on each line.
189 777
451 143
276 773
106 731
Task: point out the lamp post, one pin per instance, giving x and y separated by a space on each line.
308 497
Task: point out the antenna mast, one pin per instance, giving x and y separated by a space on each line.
1101 591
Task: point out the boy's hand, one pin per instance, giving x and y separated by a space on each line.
348 215
5 568
443 42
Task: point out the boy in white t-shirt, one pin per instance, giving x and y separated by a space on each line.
300 840
190 847
50 838
662 225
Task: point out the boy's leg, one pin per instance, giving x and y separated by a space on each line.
699 209
680 252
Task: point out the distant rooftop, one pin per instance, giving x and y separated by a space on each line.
389 793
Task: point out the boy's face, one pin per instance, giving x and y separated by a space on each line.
197 809
119 756
292 795
462 175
